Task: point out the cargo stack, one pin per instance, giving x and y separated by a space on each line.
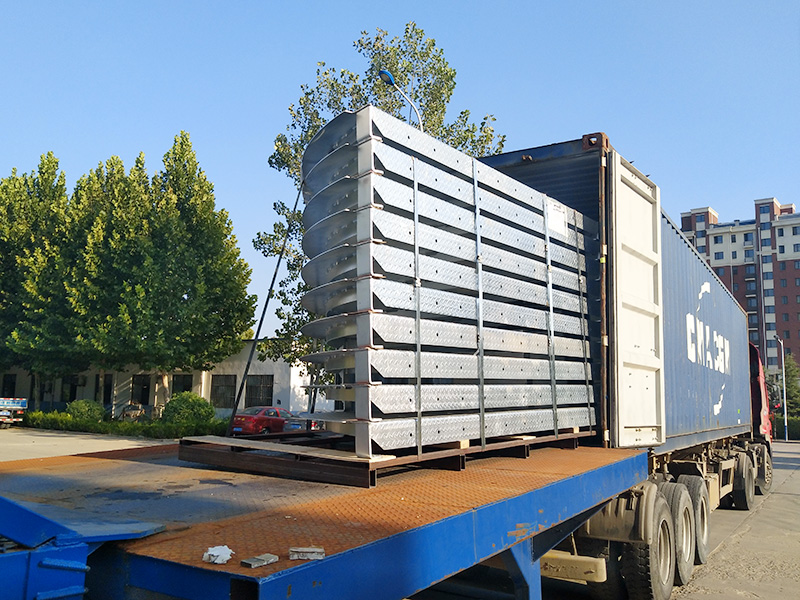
452 299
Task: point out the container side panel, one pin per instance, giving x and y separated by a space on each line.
705 347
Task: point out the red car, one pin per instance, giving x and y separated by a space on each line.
260 419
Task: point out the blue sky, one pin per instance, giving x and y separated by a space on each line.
703 96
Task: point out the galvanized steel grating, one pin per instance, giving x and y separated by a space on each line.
451 297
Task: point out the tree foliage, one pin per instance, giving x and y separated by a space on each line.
792 386
421 70
129 270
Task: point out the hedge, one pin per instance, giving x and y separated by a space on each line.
777 428
153 429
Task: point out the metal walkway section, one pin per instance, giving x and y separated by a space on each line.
454 298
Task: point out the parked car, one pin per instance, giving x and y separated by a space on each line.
260 419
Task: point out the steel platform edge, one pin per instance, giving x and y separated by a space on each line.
520 529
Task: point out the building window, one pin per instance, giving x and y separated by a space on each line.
769 293
764 209
259 390
753 303
796 230
223 391
784 316
733 238
769 310
701 234
750 269
719 256
772 361
780 231
701 249
766 259
765 226
749 254
797 265
750 286
770 326
182 382
733 254
781 249
784 299
140 389
768 275
700 218
9 386
108 388
786 334
782 266
772 343
735 287
783 283
735 269
796 248
717 239
766 242
752 319
754 337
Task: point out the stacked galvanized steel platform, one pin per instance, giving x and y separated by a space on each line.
453 299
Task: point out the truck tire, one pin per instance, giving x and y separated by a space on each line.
698 492
682 511
744 482
764 477
649 569
613 588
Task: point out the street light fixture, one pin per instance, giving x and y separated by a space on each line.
388 79
783 378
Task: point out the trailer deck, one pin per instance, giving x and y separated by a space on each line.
417 528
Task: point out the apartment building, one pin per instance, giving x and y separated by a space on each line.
759 261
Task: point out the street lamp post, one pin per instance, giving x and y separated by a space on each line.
783 378
388 79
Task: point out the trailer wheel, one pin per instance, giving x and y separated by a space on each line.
613 588
698 492
744 483
764 478
680 506
649 569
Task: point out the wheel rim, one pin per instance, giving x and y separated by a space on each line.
665 552
702 522
686 539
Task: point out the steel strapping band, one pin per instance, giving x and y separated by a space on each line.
417 309
551 349
584 303
479 303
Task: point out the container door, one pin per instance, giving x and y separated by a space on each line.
636 342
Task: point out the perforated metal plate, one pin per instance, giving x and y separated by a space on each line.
452 296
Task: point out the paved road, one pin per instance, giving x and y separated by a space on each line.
19 443
756 553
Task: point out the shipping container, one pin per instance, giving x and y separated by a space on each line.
688 321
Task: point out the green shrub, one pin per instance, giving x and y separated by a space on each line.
187 408
86 410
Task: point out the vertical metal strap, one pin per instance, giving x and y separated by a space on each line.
551 349
479 302
417 310
584 302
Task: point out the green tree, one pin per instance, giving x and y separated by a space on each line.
158 280
43 340
421 70
792 386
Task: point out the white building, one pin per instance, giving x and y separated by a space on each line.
269 383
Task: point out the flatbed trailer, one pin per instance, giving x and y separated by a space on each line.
417 528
